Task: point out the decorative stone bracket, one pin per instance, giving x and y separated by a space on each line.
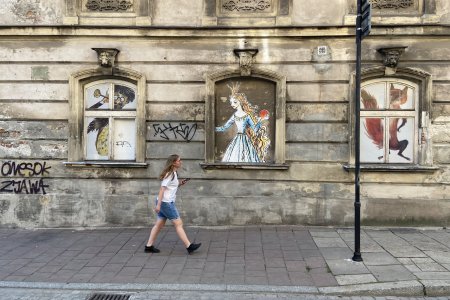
106 56
391 56
245 60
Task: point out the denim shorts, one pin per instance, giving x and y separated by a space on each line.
168 211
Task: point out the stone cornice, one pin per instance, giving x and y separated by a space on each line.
211 32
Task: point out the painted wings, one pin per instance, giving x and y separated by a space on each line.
374 126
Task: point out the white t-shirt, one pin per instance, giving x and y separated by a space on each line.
171 184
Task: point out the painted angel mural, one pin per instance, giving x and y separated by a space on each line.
251 142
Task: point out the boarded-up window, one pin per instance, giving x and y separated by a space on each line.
389 121
110 120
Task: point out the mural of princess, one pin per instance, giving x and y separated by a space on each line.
251 143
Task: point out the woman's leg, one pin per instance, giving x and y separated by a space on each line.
155 231
180 231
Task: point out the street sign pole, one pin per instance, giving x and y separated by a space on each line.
363 27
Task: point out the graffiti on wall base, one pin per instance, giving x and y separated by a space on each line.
24 169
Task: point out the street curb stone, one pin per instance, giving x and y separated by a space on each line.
436 287
161 287
273 289
400 288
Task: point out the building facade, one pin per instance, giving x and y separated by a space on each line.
257 97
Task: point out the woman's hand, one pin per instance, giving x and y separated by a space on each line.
183 182
157 208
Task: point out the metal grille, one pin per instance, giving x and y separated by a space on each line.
108 297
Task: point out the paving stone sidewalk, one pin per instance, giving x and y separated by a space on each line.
398 261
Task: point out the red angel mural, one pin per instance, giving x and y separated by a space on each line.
374 127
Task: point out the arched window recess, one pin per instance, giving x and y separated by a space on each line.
107 116
395 120
245 117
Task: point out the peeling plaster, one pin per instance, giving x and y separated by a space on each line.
14 148
31 12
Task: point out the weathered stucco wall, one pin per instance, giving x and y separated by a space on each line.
36 63
31 12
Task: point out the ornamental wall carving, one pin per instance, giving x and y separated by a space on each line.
391 4
397 7
247 12
109 5
108 12
246 7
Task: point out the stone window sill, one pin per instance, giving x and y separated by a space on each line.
391 168
105 164
209 166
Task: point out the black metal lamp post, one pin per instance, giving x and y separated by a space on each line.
363 27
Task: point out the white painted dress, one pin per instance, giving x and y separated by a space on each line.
240 149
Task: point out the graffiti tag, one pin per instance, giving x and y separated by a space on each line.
123 144
24 169
25 185
179 131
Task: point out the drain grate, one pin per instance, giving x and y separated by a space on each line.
100 296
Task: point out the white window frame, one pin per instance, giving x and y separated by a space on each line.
109 113
387 113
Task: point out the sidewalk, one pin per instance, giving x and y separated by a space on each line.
266 259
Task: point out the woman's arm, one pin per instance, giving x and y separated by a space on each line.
253 125
226 125
160 196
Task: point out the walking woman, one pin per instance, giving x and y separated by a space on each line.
165 206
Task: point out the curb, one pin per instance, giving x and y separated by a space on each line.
162 287
400 288
436 288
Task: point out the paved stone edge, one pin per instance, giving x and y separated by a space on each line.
436 288
161 287
273 289
399 288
